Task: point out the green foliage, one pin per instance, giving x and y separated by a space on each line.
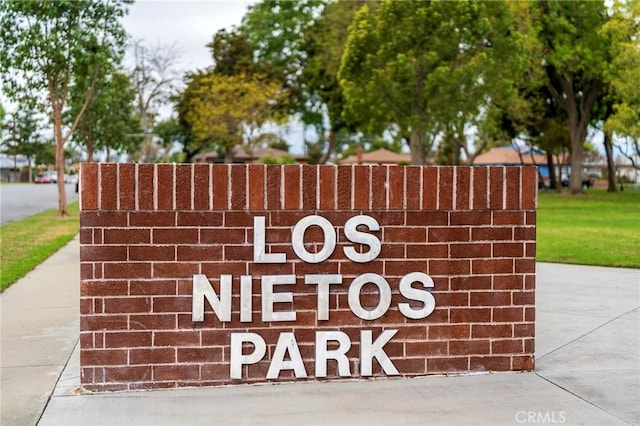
223 111
272 159
421 65
108 122
47 44
21 133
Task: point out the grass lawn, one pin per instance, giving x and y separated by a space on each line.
24 244
597 228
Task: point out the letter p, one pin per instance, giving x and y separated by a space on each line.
238 359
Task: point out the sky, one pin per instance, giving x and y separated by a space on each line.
191 26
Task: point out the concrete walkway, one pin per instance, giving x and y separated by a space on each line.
587 370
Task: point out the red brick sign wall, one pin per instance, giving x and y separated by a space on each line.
197 275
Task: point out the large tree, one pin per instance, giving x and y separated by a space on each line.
416 66
21 135
575 57
43 44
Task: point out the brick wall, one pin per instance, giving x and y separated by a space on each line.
147 229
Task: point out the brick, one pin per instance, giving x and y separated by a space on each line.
490 363
127 236
508 217
184 187
492 266
292 186
491 234
471 283
256 184
512 185
445 182
327 187
420 251
103 357
309 187
128 374
238 184
175 372
101 288
175 236
425 348
473 250
427 218
152 356
529 188
522 363
89 194
165 185
127 186
447 332
127 270
508 249
201 187
176 338
152 219
174 270
220 186
508 314
512 346
491 331
524 266
199 355
127 304
361 179
469 347
463 188
449 267
199 253
145 186
103 253
200 219
396 187
103 219
448 364
479 184
378 187
429 188
470 315
152 287
104 322
496 187
152 253
448 234
490 298
408 234
273 187
108 186
152 322
344 187
127 339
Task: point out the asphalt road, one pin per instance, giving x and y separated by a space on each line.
18 201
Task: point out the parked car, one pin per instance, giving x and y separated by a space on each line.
587 181
46 177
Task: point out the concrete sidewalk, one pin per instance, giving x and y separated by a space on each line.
587 368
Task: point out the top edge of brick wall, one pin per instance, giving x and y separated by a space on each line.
205 187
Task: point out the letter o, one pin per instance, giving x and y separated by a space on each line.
297 239
354 296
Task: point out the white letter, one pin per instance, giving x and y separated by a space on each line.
269 298
414 294
355 236
384 294
339 354
246 298
260 254
286 341
369 350
202 289
323 281
237 359
297 239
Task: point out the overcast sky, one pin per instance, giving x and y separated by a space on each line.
189 24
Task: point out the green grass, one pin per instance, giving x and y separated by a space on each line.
26 243
597 228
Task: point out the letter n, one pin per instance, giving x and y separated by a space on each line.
202 289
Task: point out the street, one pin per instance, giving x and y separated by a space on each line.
18 201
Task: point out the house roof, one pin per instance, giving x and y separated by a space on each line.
379 156
510 155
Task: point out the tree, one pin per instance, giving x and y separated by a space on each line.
224 111
419 65
575 55
43 45
108 122
153 78
21 135
622 75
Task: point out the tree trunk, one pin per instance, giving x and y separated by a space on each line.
332 146
553 179
57 130
417 147
611 166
